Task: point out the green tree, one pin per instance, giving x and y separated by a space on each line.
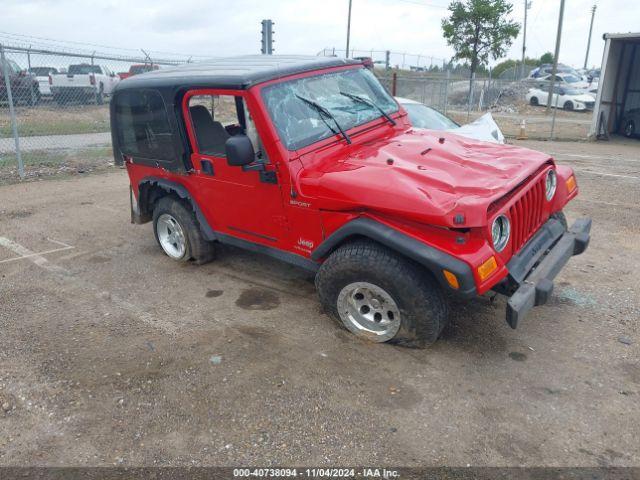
478 30
547 58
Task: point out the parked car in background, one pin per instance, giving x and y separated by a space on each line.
138 69
422 116
593 75
631 122
547 68
83 82
569 99
42 75
565 80
24 86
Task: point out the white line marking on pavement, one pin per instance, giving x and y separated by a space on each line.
26 253
82 284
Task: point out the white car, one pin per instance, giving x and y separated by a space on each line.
569 99
83 82
421 116
42 75
568 80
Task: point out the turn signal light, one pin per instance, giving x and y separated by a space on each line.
571 184
452 280
487 268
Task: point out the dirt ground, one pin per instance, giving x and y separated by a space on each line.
111 354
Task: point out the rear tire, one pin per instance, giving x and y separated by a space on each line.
534 101
629 128
178 233
380 295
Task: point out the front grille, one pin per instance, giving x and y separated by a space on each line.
527 214
589 105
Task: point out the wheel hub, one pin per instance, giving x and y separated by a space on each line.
171 236
369 311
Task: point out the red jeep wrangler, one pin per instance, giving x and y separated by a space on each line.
310 160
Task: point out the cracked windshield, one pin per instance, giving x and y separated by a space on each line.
314 108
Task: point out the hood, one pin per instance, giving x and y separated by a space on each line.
415 176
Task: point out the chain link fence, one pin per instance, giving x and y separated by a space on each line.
506 99
54 108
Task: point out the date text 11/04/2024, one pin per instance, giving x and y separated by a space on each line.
370 472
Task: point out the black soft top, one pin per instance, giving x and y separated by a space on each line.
233 72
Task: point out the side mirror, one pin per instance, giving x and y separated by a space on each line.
239 150
563 91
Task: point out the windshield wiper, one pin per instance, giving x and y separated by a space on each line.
323 111
358 98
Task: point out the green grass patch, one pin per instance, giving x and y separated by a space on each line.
33 127
53 158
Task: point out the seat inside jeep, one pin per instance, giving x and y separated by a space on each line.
210 134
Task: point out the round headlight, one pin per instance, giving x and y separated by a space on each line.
500 231
551 183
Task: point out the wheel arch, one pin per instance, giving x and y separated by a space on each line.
152 189
432 259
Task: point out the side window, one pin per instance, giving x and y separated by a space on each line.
143 125
215 118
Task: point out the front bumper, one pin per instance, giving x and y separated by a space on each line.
533 269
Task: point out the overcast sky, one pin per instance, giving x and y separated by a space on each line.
219 28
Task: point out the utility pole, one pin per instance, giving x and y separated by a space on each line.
554 70
586 57
348 29
267 37
527 6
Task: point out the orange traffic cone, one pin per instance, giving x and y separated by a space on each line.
522 135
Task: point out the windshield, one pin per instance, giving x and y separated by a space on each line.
137 69
422 116
299 124
571 79
83 69
42 71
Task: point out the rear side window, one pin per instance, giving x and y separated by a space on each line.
84 69
143 125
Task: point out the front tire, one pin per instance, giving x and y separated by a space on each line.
568 106
534 101
178 233
381 296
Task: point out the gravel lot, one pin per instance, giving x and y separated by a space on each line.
112 354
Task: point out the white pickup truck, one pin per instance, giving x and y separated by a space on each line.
83 82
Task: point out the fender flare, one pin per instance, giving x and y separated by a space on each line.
140 210
429 257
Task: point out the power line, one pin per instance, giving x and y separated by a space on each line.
31 38
421 4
